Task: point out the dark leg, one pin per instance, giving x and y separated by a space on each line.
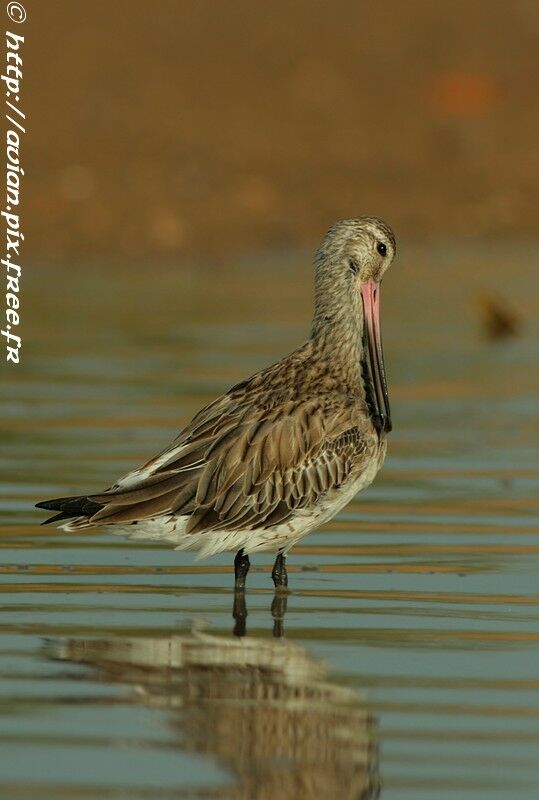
278 610
279 574
239 612
241 568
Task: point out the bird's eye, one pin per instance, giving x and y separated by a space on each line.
381 248
354 266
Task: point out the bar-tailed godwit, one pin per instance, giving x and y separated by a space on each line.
283 451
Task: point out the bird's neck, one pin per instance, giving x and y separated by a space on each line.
336 337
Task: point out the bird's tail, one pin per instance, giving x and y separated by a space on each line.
70 507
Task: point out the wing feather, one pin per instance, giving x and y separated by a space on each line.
243 465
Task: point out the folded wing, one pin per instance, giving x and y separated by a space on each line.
238 466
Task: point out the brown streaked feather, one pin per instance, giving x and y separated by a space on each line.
256 469
154 486
114 513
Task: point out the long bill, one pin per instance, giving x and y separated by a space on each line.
373 358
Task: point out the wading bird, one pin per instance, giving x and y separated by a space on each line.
283 451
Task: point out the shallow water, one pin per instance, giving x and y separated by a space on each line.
410 662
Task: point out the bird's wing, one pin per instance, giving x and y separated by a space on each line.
242 466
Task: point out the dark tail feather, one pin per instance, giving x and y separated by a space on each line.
56 518
69 507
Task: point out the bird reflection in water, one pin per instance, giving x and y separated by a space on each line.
261 708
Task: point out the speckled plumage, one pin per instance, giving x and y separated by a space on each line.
280 452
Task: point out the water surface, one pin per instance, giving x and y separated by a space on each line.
409 666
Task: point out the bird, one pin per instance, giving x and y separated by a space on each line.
282 452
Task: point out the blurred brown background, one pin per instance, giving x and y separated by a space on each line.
212 127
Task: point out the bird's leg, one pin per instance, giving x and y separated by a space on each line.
241 568
239 612
278 606
278 610
279 573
